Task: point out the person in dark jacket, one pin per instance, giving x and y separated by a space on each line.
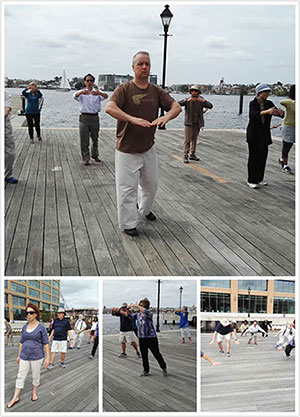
265 325
261 111
33 109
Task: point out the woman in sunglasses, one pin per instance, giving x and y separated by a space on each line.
34 343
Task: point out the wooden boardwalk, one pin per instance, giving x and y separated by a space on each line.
61 218
124 389
254 379
74 388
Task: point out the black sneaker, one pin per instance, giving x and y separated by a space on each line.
280 161
145 373
151 216
287 170
186 160
165 373
194 158
131 232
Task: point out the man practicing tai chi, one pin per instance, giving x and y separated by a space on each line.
253 330
285 335
184 324
223 332
127 334
195 106
61 329
135 105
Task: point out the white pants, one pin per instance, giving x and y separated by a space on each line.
186 331
9 148
78 339
136 182
23 371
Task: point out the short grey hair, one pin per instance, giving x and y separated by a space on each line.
140 53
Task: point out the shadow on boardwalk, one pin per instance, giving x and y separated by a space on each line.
255 378
74 388
61 218
124 389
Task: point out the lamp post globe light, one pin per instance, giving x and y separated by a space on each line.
166 17
180 297
249 291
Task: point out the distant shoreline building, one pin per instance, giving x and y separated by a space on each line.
109 82
18 293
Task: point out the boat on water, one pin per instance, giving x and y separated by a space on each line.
64 83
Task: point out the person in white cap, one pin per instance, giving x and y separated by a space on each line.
253 330
79 329
223 331
195 106
258 134
61 329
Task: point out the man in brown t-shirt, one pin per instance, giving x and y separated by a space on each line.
135 105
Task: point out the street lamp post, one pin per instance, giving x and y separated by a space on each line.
166 17
180 297
249 291
158 306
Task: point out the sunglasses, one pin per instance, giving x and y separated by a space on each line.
90 81
194 90
30 312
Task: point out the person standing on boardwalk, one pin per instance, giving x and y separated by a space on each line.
288 129
93 329
9 142
285 335
61 329
34 343
147 336
265 325
96 340
209 360
258 134
223 331
135 105
127 334
253 330
33 109
195 106
244 327
8 332
184 324
90 105
79 329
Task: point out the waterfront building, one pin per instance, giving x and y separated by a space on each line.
43 293
108 82
276 297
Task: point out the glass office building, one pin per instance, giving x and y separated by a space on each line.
238 296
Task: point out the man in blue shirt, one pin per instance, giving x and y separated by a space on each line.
61 329
223 331
184 323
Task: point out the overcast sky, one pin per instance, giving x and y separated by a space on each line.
80 293
130 291
242 43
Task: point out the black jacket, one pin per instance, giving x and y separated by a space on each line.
258 133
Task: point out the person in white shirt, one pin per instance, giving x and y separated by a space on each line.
253 330
285 335
90 105
93 330
9 142
79 329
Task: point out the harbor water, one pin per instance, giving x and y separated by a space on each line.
61 110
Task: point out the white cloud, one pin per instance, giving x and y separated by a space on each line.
214 41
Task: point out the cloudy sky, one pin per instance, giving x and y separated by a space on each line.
80 293
130 291
242 43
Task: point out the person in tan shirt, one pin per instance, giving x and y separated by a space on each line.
135 105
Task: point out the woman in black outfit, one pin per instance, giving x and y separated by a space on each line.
261 111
